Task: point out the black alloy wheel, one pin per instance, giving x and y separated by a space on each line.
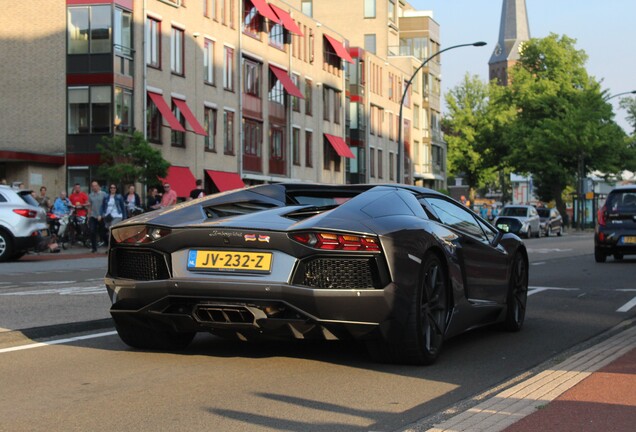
434 306
517 294
599 256
138 336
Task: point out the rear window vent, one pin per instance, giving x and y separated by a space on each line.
236 209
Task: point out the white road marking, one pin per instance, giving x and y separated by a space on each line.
537 289
57 342
86 290
545 250
630 304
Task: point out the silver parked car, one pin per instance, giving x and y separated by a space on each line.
22 223
522 220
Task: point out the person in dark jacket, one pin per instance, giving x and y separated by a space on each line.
113 208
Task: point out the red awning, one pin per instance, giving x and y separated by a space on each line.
181 180
265 10
166 112
286 81
340 146
190 118
340 49
288 21
225 181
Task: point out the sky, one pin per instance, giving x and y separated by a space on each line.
605 30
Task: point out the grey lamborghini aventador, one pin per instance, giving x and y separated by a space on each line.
399 267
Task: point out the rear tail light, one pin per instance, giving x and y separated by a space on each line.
136 234
26 213
602 216
332 241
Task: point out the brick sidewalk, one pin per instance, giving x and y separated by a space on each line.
593 390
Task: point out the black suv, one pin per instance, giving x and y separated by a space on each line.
616 226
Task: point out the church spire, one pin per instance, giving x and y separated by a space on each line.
513 32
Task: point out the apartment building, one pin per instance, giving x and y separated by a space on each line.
394 39
231 91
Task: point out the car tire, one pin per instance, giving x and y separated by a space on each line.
618 256
426 325
6 246
560 233
517 298
599 256
529 234
139 336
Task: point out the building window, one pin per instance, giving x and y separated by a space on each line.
296 146
329 156
153 121
176 51
252 137
416 116
123 31
277 35
228 132
372 120
276 92
295 100
252 77
308 98
306 7
277 150
392 10
177 138
380 163
337 106
228 69
309 145
252 20
208 61
391 128
89 110
153 43
89 29
123 109
391 166
209 123
212 9
325 103
372 162
369 43
369 8
222 12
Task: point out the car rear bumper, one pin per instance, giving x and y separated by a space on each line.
24 243
611 241
251 308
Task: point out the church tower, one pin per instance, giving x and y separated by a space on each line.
513 32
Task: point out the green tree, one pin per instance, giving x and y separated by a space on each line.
126 159
472 129
629 104
563 127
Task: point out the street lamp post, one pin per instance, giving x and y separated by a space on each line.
400 158
620 94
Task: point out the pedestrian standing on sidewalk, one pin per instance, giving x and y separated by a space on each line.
169 196
95 222
43 200
153 202
113 209
133 201
197 192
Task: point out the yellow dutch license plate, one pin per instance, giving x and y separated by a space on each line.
251 262
629 239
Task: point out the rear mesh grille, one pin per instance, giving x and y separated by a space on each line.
139 265
337 273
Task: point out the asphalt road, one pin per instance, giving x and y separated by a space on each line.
100 384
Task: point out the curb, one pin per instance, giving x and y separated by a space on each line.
532 390
44 332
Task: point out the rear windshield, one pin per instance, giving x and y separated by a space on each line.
619 201
28 198
543 212
515 211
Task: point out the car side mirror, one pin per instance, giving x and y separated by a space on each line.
498 237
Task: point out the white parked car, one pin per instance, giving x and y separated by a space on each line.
22 223
522 220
